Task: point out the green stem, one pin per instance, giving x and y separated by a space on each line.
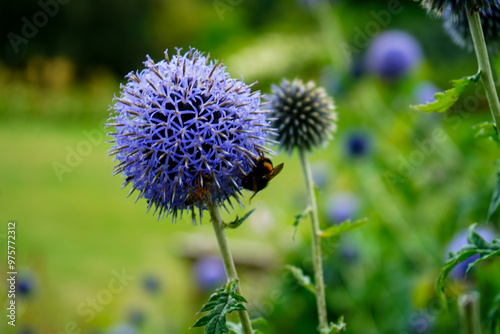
468 307
227 258
484 64
316 246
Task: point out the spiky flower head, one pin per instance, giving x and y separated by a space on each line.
457 28
303 114
185 133
459 7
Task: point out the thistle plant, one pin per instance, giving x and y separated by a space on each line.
184 134
480 16
305 118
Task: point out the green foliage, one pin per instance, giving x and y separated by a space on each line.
493 319
302 278
259 325
238 221
445 100
495 199
476 245
333 328
487 130
225 300
337 230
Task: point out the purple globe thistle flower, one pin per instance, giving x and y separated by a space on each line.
209 273
341 207
457 27
459 241
303 114
458 7
393 54
185 132
357 145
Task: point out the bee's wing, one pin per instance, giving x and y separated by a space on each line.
276 171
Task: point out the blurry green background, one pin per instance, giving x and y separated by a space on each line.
77 232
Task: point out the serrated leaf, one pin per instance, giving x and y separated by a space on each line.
334 328
495 199
347 226
486 130
225 300
298 218
302 278
445 100
238 221
476 245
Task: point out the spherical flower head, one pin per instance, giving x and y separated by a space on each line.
458 7
393 54
185 133
303 114
459 241
209 273
457 27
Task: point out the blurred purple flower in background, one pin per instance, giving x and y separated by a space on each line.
341 207
321 172
122 329
209 273
424 92
460 240
151 284
393 54
27 282
358 144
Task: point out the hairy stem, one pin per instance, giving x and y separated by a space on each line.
484 64
316 246
227 258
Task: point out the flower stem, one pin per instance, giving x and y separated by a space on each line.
316 246
468 304
484 64
227 258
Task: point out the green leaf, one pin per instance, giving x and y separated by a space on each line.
486 130
495 199
302 278
347 226
476 245
225 300
298 218
445 100
238 221
334 328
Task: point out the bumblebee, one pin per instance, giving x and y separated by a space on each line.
258 178
201 190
